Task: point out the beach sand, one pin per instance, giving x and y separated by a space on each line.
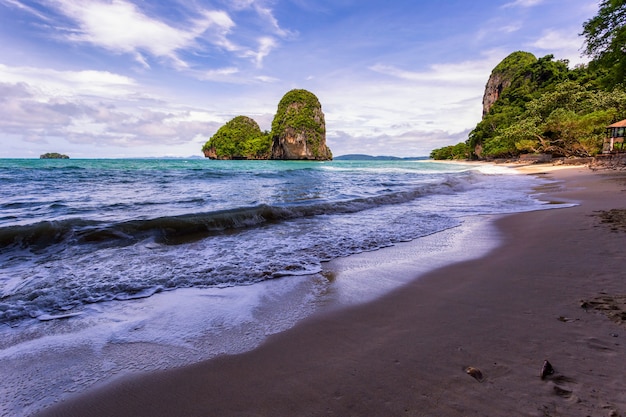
554 290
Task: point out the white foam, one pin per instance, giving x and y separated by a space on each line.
49 361
364 277
496 169
46 361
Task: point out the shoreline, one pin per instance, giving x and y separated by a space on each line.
55 361
406 353
237 320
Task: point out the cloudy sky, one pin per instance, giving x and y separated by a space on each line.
132 78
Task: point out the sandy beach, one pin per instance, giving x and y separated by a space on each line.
554 290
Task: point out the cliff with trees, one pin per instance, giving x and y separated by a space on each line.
298 133
540 105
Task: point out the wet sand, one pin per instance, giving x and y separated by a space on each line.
554 290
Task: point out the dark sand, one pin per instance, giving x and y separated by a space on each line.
406 354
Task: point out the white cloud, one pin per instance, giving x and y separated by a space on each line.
523 3
403 112
466 72
94 107
511 27
266 13
410 143
19 5
53 83
269 16
121 27
266 44
563 44
221 74
266 79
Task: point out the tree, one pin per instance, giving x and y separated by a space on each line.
458 151
241 137
605 40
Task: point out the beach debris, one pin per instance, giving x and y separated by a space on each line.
566 319
612 306
475 373
614 218
546 369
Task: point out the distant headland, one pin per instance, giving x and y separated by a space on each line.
363 157
298 133
53 155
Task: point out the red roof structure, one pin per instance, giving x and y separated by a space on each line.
618 124
614 141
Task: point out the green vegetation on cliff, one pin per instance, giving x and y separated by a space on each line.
240 138
298 132
300 112
297 109
542 106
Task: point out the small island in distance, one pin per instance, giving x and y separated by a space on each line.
53 155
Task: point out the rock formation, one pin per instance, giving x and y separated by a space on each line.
299 129
298 132
493 90
240 138
503 75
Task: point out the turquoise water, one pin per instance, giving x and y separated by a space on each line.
78 232
115 266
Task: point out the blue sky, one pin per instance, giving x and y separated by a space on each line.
132 78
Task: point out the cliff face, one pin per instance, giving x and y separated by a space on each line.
493 90
299 129
503 75
210 152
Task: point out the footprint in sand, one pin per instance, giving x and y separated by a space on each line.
598 344
560 383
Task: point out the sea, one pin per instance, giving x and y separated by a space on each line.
111 266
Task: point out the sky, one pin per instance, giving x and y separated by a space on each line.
150 78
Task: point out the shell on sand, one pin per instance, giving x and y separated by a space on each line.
475 373
546 369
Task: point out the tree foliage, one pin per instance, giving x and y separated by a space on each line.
545 107
458 151
239 138
605 41
300 111
53 155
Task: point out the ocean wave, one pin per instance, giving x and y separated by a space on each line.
172 229
189 227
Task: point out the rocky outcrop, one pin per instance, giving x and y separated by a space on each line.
240 138
503 75
210 152
493 90
299 129
298 132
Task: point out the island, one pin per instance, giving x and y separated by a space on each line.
298 133
53 155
